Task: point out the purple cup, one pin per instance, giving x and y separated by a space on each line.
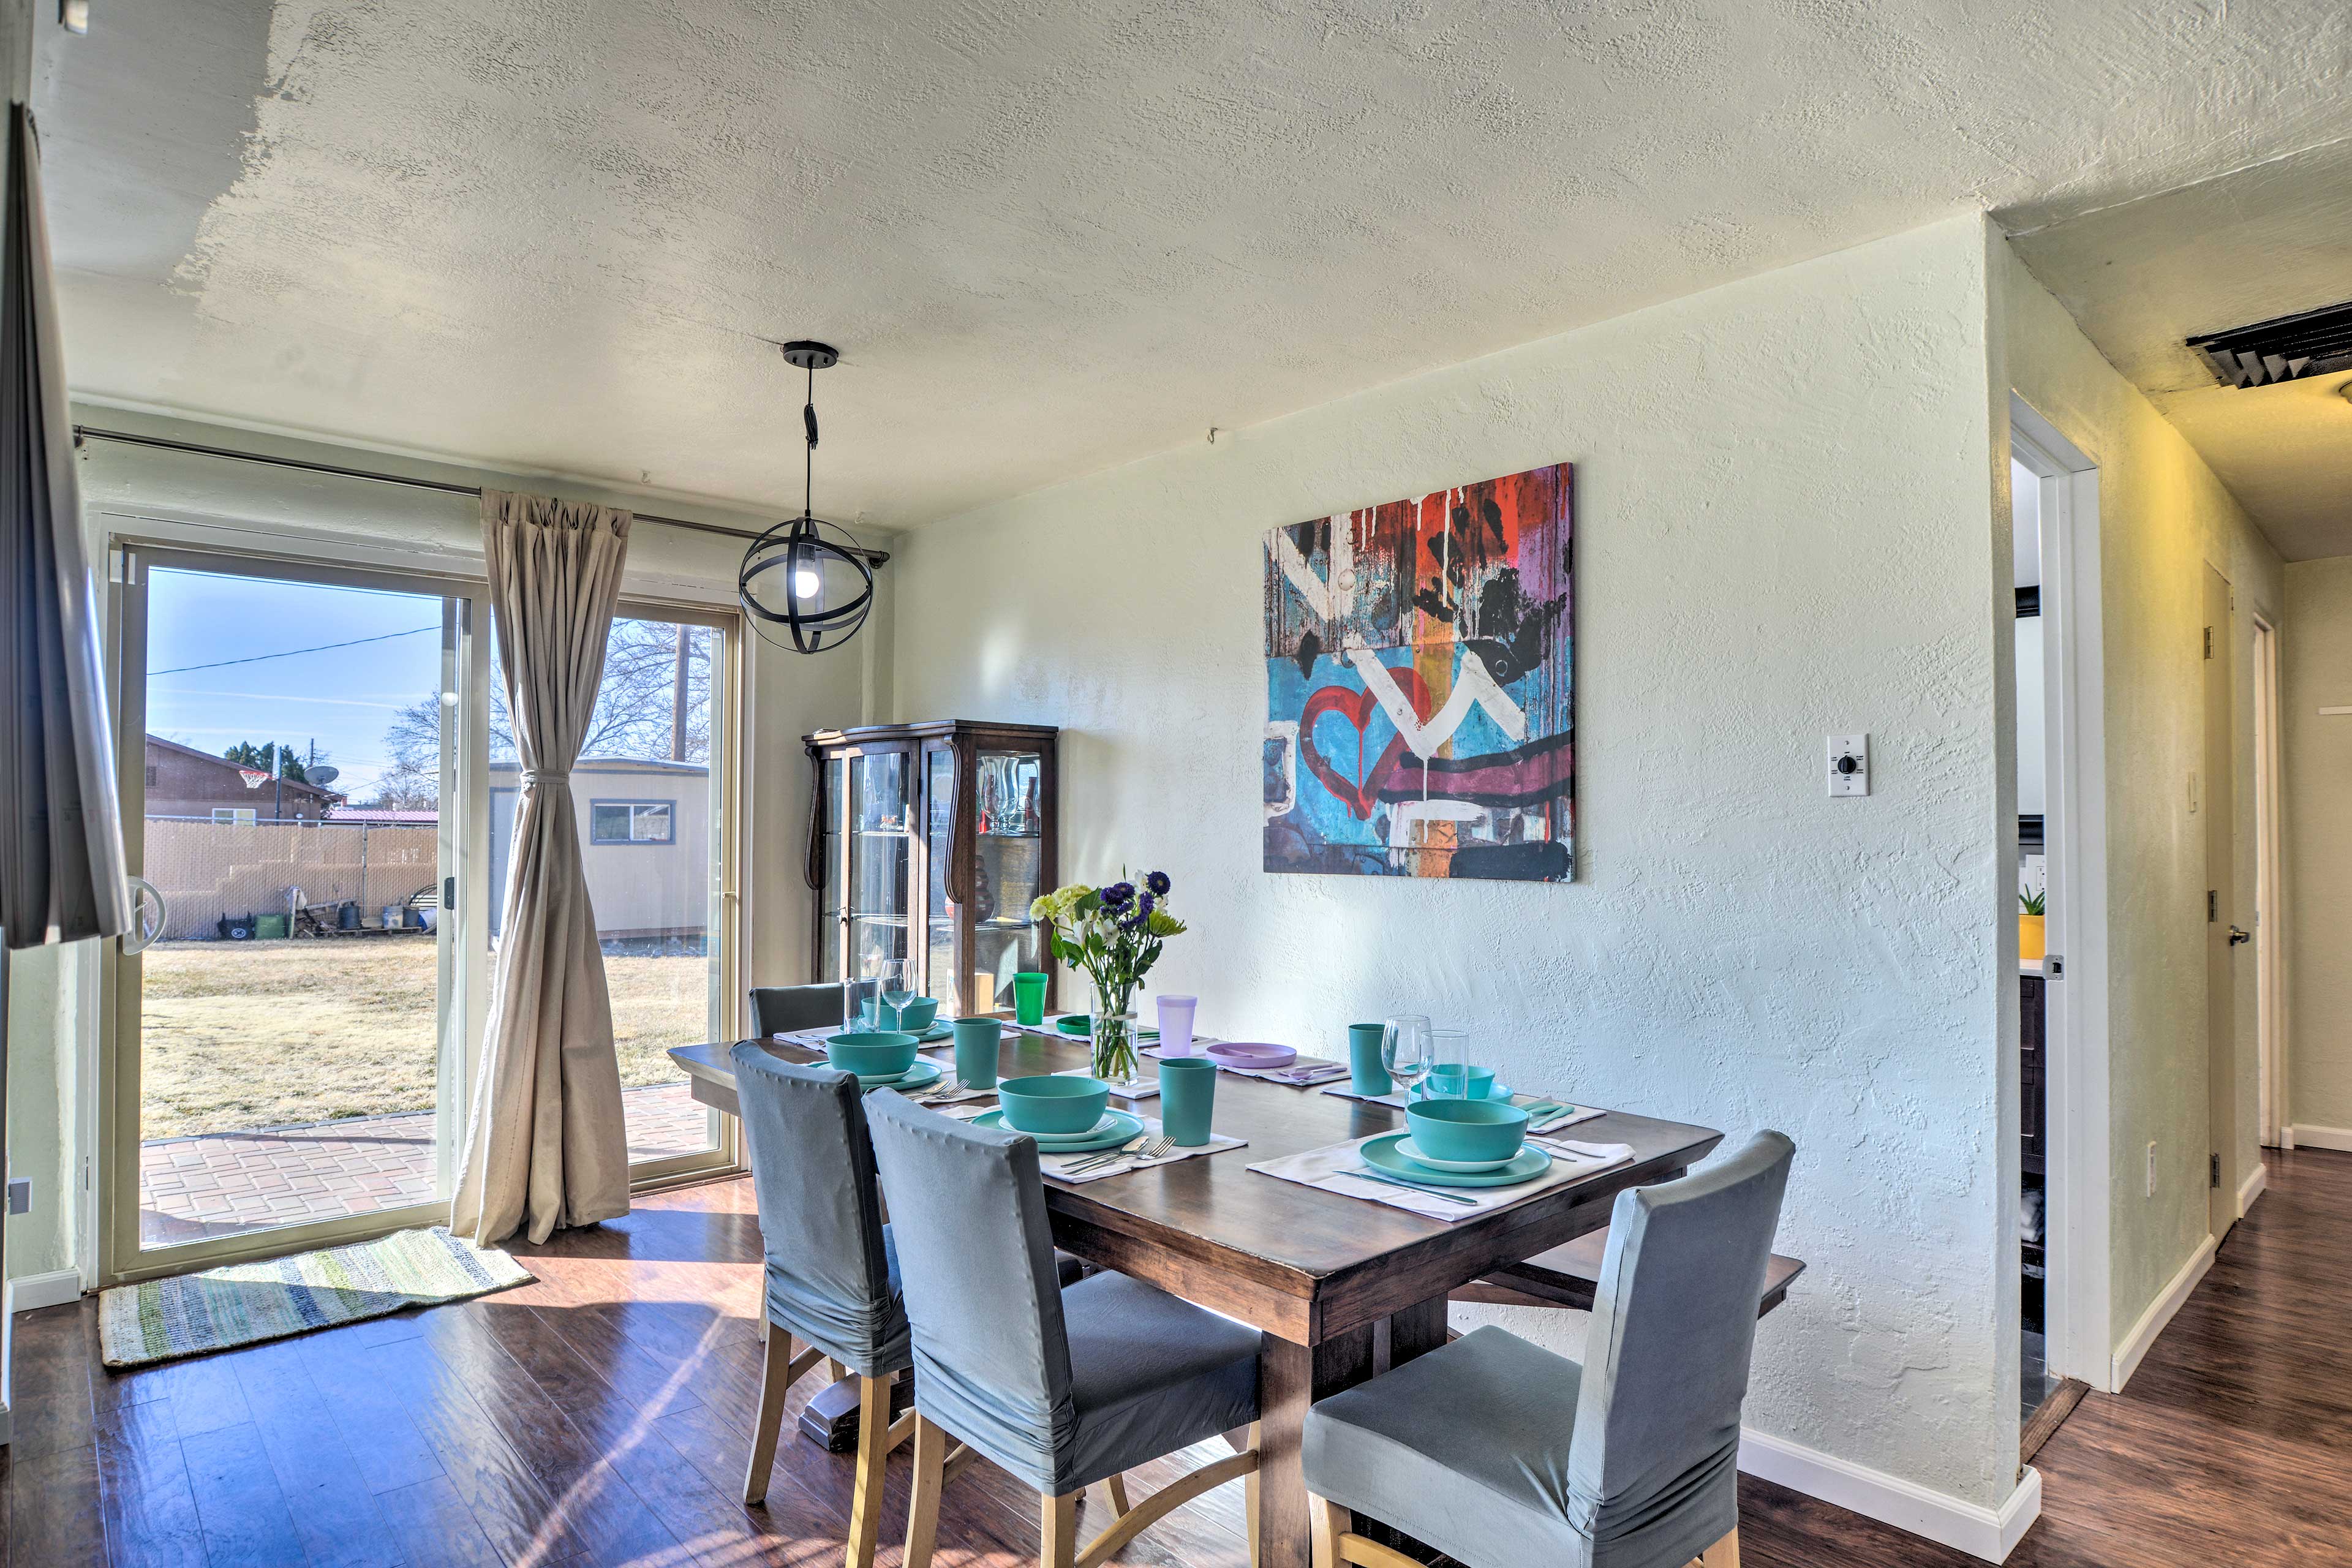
1176 1025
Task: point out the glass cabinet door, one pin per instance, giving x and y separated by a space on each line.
940 916
880 838
1009 834
831 958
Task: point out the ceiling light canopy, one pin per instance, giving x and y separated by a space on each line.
806 575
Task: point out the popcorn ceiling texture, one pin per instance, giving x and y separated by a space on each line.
1051 237
1784 527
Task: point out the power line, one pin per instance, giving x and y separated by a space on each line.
290 652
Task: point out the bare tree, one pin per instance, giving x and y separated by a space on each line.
648 667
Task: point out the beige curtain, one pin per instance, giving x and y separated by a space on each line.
545 1145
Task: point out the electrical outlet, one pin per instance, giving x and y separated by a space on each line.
2151 1169
20 1194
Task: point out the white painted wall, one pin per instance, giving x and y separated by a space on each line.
2163 515
1782 498
2315 660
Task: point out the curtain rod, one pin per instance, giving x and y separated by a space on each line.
91 433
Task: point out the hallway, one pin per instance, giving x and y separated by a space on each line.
2232 1446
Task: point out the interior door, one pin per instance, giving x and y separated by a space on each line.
2220 985
286 1065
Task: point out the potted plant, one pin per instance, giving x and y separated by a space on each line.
2031 937
1114 935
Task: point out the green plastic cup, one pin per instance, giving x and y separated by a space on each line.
1188 1098
1365 1073
1028 998
976 1040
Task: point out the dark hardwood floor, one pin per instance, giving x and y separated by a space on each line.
598 1416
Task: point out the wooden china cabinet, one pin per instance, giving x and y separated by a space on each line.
927 842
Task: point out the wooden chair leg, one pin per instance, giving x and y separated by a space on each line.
1249 1492
1115 1488
1326 1522
778 1374
1724 1553
923 1507
1059 1545
873 1455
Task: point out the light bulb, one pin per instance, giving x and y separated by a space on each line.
805 583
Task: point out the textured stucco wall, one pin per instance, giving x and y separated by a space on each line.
2162 516
44 987
1783 503
2315 669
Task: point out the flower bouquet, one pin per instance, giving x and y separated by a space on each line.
1115 935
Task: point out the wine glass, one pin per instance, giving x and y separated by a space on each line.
1451 1049
1408 1049
894 979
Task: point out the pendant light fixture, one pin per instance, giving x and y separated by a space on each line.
805 574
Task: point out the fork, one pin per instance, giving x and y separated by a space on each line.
1150 1149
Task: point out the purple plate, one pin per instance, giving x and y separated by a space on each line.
1251 1054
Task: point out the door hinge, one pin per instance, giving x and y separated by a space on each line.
2212 905
2209 642
2213 1171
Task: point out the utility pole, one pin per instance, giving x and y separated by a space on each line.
677 699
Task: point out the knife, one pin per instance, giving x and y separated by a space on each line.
1367 1173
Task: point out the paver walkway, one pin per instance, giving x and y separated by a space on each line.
220 1183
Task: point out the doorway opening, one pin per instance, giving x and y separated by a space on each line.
2036 1381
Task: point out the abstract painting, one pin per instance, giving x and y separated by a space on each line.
1420 706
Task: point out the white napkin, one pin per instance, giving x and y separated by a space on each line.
1055 1166
1281 1075
1328 1169
1568 1118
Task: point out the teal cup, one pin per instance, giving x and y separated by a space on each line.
1365 1073
976 1040
1188 1098
1029 999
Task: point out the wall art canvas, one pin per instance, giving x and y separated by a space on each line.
1420 707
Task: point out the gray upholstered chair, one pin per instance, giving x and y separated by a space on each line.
1062 1387
832 1272
777 1009
1499 1453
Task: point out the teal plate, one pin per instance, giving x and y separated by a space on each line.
1381 1154
1122 1128
922 1075
936 1033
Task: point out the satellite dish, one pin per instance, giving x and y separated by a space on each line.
323 775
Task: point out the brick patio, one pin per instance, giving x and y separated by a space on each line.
222 1183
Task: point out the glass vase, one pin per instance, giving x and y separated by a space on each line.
1112 1023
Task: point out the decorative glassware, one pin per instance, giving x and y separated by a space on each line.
1408 1049
1112 1022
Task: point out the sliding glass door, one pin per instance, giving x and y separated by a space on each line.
318 778
288 1059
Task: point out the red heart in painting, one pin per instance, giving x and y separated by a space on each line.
1358 795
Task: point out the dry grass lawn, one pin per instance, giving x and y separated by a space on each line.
245 1034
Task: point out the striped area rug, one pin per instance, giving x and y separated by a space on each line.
244 1304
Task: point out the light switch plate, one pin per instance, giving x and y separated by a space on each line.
1849 765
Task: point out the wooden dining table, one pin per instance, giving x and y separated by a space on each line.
1343 1288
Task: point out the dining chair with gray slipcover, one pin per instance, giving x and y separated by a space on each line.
1063 1387
781 1009
1497 1452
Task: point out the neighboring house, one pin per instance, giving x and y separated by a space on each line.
184 782
645 836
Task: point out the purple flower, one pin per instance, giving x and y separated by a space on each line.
1158 883
1117 894
1146 904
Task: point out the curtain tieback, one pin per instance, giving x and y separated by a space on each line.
531 777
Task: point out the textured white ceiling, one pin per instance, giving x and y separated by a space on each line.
2269 241
1049 235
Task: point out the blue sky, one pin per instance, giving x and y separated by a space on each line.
342 698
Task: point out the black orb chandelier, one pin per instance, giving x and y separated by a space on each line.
806 575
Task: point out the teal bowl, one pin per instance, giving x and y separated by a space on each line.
1053 1102
918 1013
871 1052
1467 1130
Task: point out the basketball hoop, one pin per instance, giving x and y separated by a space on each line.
253 777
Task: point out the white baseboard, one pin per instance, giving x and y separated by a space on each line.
1983 1533
2159 1312
2251 1187
2304 1135
29 1292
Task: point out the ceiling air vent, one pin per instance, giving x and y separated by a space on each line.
2316 342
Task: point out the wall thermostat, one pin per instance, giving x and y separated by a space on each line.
1849 765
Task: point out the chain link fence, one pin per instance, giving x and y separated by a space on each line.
214 875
